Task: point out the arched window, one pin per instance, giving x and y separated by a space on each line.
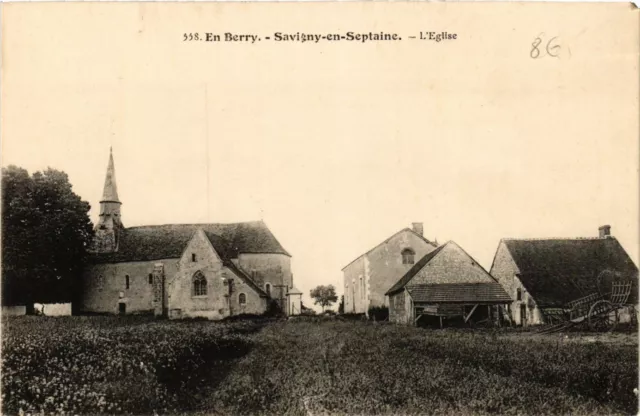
408 256
126 281
242 299
518 294
150 278
199 284
267 288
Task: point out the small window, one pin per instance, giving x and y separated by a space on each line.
267 288
193 257
518 294
126 282
408 256
242 299
199 284
254 274
150 278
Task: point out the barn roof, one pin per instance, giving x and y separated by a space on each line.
156 242
557 271
474 293
488 290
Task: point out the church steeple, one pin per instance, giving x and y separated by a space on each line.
109 227
110 192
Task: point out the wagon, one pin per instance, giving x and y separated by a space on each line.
598 311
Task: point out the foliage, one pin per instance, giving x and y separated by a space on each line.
338 367
46 231
378 313
324 295
308 365
109 365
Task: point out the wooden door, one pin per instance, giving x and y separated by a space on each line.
523 315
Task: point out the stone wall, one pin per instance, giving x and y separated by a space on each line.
385 265
451 265
105 284
221 298
370 276
274 269
353 280
504 269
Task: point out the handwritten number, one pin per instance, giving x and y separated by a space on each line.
551 47
535 52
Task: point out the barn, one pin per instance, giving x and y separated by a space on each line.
444 287
544 275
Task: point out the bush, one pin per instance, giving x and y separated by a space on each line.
379 313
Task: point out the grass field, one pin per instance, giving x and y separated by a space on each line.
110 365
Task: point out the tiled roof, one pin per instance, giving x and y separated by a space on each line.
414 270
157 242
469 293
557 271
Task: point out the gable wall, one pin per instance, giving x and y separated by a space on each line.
218 302
385 266
451 265
505 269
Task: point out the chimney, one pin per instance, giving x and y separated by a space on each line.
605 231
418 228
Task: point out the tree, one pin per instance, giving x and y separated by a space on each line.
324 296
46 231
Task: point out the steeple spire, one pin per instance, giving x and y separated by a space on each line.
109 224
110 192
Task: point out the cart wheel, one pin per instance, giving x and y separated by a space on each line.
603 317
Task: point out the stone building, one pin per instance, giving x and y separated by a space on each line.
368 277
445 284
543 275
184 270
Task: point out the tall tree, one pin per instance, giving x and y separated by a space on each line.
324 295
46 232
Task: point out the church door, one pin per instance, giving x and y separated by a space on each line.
122 308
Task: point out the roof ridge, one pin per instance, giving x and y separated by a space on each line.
194 224
557 238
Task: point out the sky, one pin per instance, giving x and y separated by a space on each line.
335 146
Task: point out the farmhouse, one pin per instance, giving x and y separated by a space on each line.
444 284
184 270
542 275
368 277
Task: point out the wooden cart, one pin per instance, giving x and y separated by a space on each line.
597 311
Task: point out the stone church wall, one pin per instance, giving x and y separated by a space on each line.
274 269
105 283
219 301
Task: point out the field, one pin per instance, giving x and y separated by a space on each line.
110 365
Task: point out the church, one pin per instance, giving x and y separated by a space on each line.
184 270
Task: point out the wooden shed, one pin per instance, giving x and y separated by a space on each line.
444 286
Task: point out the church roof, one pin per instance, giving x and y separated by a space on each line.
110 192
157 242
